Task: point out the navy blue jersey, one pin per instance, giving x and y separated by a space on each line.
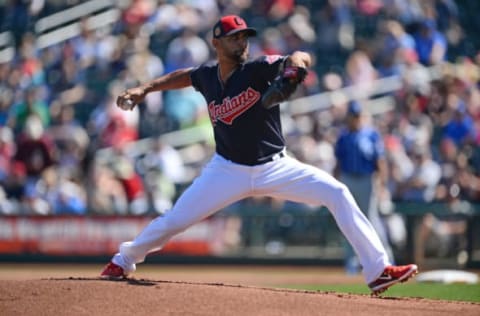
245 132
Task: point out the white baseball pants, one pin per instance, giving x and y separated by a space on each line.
223 182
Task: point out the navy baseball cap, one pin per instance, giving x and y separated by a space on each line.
231 24
354 108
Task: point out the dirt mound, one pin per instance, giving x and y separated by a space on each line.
92 296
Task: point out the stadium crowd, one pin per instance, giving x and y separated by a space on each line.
57 106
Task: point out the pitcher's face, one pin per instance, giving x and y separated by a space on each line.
234 47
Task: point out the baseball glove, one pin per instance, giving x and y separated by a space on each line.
283 86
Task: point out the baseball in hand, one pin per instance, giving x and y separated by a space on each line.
126 104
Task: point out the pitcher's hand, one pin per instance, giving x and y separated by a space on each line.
130 98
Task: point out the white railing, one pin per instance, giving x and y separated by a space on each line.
7 51
177 139
70 31
52 30
323 101
71 14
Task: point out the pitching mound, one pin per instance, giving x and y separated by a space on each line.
92 296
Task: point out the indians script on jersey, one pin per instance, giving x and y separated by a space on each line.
231 108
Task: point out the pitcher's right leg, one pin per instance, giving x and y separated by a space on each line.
219 185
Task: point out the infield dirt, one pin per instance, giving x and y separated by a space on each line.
197 290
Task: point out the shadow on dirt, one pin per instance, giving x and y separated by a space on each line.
130 281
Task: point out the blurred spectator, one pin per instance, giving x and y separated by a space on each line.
298 31
182 107
448 153
135 15
369 7
185 107
186 50
17 18
105 192
430 44
117 132
143 65
446 12
70 137
395 43
277 10
413 124
7 151
400 164
36 152
160 189
473 108
165 19
85 45
12 190
408 12
420 186
309 142
7 206
334 22
272 42
9 200
32 105
318 153
167 159
324 137
361 165
30 64
359 72
437 104
124 170
57 193
6 92
66 81
35 149
170 18
460 127
457 178
110 126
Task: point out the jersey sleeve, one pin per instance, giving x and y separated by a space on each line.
268 66
196 78
202 75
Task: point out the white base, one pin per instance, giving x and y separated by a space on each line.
448 276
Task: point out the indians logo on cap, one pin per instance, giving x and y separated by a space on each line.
217 31
231 24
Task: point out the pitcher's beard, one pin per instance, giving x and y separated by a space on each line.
240 56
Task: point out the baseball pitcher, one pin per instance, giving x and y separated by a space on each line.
243 98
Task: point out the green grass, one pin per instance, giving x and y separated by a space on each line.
452 292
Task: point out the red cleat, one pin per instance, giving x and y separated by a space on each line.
113 272
392 275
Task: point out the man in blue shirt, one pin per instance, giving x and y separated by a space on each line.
430 44
361 165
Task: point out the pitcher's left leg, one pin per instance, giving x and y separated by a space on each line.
292 180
